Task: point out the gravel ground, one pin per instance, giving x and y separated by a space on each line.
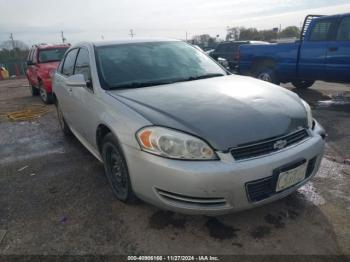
54 198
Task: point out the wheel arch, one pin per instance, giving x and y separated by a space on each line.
101 131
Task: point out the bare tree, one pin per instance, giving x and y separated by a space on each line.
13 44
233 33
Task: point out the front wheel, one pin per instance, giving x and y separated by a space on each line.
302 84
46 97
267 74
116 170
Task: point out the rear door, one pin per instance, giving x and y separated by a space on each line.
338 53
64 92
313 51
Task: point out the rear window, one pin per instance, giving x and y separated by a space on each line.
233 47
51 55
221 48
321 30
344 30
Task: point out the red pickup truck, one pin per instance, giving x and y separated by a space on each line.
42 62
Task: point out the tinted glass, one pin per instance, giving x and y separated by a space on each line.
232 47
82 65
51 55
68 65
320 31
152 62
344 30
222 48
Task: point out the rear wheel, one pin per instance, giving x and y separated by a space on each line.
116 170
302 84
46 97
267 74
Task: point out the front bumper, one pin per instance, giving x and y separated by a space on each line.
214 187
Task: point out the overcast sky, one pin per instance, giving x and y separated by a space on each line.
35 21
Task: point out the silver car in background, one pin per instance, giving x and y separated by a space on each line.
175 129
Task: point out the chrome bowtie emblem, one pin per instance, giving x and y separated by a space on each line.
280 144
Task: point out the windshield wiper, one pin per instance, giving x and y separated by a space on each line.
191 78
157 83
140 84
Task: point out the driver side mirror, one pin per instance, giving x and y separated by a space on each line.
76 80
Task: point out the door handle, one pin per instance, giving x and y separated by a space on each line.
333 49
70 90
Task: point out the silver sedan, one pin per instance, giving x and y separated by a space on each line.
177 130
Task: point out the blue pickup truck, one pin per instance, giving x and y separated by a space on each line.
322 53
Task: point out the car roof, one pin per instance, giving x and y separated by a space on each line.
244 42
130 41
331 16
49 46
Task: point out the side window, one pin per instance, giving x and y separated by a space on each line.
69 61
344 30
321 30
60 66
82 66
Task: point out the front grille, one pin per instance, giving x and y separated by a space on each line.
267 146
263 188
194 201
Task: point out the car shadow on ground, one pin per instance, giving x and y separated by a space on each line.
311 96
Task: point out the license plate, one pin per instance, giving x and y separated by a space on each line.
291 177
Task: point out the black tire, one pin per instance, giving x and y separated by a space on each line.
302 84
267 74
116 170
33 90
46 97
62 122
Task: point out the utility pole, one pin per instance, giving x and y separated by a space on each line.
13 45
132 33
63 38
12 41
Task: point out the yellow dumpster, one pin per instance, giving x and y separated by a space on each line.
4 74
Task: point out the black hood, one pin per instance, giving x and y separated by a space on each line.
225 111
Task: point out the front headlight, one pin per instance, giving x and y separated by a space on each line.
174 144
309 113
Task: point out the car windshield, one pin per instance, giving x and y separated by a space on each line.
146 64
51 55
